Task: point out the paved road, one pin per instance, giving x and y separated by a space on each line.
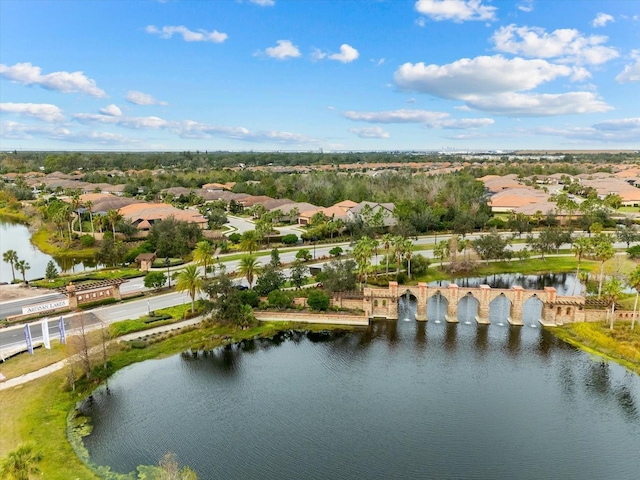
243 224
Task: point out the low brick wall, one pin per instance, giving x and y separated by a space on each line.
601 315
303 317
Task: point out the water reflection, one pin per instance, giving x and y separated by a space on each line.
332 405
562 282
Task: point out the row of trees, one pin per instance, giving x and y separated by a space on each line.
11 257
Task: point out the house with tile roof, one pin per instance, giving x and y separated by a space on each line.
144 215
513 198
366 210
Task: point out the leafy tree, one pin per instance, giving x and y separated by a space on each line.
155 280
362 252
270 279
235 238
225 299
491 246
298 274
338 276
170 469
51 271
387 241
11 257
111 252
249 267
203 255
336 251
318 300
627 234
250 297
612 291
280 299
441 251
189 280
21 462
173 238
303 254
113 217
275 258
419 265
23 266
520 223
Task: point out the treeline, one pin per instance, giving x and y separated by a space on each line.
189 161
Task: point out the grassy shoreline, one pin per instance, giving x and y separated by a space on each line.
43 240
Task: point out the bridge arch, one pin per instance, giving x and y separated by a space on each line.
468 308
500 309
437 307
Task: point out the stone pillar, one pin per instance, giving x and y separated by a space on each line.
393 289
483 305
517 304
115 292
392 307
71 296
421 310
551 294
452 306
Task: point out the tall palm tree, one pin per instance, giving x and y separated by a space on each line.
89 206
20 463
249 267
603 251
23 266
113 217
11 257
387 240
189 280
398 245
408 253
203 255
75 206
580 247
612 291
634 281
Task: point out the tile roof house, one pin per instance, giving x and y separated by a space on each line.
604 186
144 215
510 199
337 211
359 212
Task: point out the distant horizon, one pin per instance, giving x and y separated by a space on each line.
341 76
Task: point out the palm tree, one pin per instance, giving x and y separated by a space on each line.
612 291
75 206
603 251
408 252
189 280
113 217
203 255
249 267
580 246
634 281
362 252
398 245
20 463
11 257
23 266
89 206
441 251
249 241
387 240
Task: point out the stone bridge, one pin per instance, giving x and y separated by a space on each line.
383 302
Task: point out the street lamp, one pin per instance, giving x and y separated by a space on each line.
314 247
167 262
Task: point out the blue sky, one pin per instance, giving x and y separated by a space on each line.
308 75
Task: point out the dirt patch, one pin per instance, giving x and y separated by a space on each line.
16 292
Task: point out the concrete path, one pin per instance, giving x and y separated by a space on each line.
27 377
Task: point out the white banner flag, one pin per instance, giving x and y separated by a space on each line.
27 336
45 333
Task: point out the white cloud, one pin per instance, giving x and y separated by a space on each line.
478 76
370 132
112 110
264 3
135 123
20 131
65 82
602 19
317 54
566 44
396 116
197 130
539 105
456 10
526 6
631 72
619 130
42 111
139 98
188 35
425 117
285 49
347 54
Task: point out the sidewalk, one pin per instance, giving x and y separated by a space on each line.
27 377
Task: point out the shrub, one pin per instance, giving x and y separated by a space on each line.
280 299
87 241
249 297
318 300
155 280
290 239
634 252
235 238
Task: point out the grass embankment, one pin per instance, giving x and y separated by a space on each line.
45 240
11 215
621 344
37 411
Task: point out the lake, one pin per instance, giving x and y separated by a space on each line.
17 237
400 399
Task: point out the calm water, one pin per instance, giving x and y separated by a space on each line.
399 400
17 237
